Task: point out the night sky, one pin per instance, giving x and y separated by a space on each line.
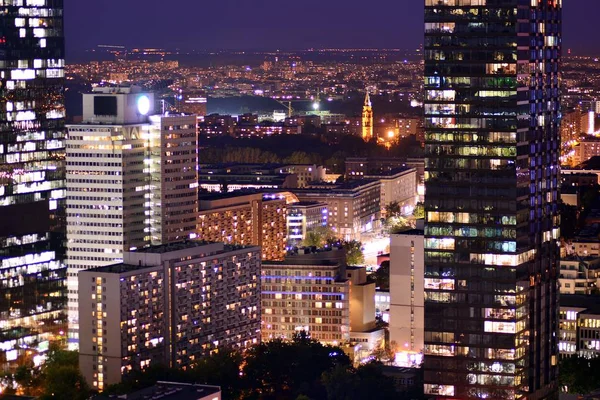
272 24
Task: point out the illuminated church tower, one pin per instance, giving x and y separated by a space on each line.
367 119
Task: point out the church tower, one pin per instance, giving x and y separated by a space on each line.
367 119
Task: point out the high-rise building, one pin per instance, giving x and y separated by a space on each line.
172 145
32 177
169 304
367 119
106 178
131 182
406 296
492 146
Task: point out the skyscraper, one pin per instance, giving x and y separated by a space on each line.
492 147
367 119
131 182
32 176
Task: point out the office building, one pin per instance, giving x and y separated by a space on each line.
167 304
106 181
579 333
245 218
354 207
32 179
492 107
398 185
406 302
303 217
131 181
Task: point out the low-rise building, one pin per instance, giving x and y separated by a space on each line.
223 180
169 391
398 185
245 218
363 329
579 326
303 217
585 243
167 304
306 173
579 275
382 305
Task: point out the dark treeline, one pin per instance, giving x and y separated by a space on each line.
300 149
277 370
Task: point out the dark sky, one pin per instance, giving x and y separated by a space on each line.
271 24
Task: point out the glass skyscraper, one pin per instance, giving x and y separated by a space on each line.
32 177
491 250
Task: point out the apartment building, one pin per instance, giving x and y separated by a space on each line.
245 218
354 207
167 304
407 285
308 293
579 275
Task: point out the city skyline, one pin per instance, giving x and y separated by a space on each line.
316 24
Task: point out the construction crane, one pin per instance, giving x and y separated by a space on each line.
288 104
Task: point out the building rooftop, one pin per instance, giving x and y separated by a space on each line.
413 232
167 391
307 204
383 173
593 163
208 196
580 301
169 247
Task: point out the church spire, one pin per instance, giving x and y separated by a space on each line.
367 119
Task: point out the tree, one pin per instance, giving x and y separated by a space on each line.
319 237
396 224
284 370
382 276
579 375
568 220
221 369
358 384
419 211
354 252
61 376
393 209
